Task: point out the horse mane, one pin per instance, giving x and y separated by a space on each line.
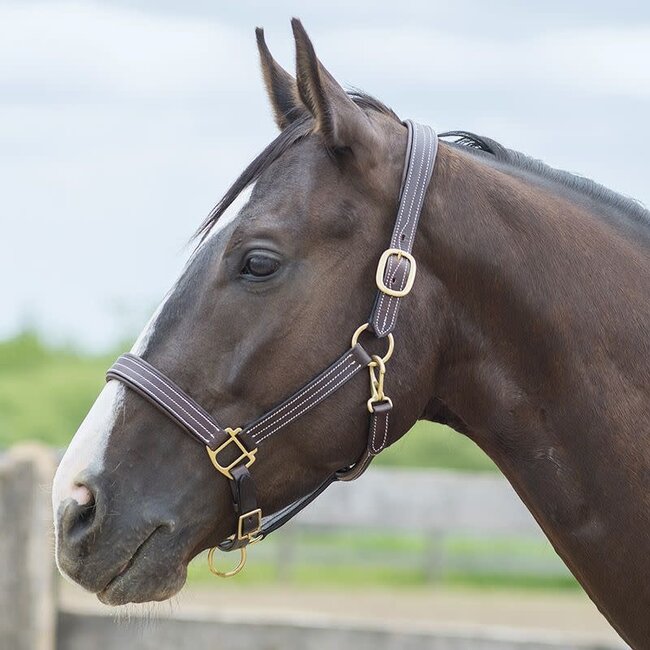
599 194
478 145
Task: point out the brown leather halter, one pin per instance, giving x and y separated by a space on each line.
395 275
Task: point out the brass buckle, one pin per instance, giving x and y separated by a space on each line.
249 456
381 271
240 526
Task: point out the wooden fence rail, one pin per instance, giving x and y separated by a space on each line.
447 504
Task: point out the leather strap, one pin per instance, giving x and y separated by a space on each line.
249 516
165 395
377 441
319 388
421 153
281 517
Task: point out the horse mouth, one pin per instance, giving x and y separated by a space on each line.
122 570
141 578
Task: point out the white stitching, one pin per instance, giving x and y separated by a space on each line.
374 432
393 301
166 384
395 240
422 191
135 372
425 184
303 405
343 380
373 447
400 213
160 392
417 187
299 395
383 442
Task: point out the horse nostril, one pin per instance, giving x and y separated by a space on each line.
80 514
82 495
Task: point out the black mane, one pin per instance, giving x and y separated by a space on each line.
599 195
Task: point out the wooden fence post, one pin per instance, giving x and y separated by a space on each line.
28 604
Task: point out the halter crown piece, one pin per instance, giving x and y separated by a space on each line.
394 278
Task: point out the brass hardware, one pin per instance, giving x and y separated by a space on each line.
249 457
371 402
245 454
242 550
363 328
232 572
381 271
377 383
240 526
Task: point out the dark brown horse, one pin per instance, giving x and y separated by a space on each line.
527 330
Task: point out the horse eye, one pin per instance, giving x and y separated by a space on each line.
258 265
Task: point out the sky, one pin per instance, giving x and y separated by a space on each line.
122 123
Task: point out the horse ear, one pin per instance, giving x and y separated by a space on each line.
280 86
339 120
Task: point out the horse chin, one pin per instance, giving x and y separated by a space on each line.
142 583
153 573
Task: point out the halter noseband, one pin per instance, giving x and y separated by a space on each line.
395 275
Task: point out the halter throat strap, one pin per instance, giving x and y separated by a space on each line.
233 450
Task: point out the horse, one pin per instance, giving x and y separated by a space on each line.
526 329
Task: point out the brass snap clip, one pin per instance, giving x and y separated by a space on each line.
377 370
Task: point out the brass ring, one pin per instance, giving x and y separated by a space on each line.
226 574
391 343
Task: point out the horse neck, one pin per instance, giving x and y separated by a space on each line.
545 365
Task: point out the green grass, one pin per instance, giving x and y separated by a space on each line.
45 393
360 559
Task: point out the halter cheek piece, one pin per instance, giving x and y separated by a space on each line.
233 451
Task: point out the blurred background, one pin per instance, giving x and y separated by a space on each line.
122 122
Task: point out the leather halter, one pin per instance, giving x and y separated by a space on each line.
395 275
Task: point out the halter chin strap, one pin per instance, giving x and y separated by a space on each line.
233 450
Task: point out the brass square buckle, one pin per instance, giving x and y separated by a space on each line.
381 271
240 525
249 456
